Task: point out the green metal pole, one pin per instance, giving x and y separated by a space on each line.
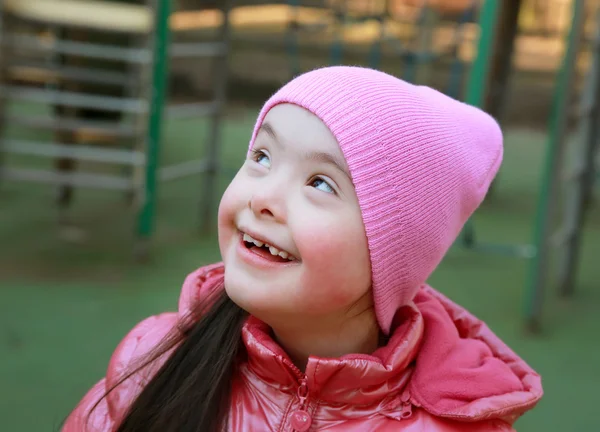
219 78
158 94
488 23
292 38
501 63
336 51
3 60
551 173
478 79
508 28
375 53
423 67
592 176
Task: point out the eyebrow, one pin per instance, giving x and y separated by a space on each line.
268 129
315 156
326 158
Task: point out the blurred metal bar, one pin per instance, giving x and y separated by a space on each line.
5 55
71 73
78 152
478 80
201 49
584 109
291 37
97 181
551 173
578 195
183 169
197 109
220 77
501 62
158 95
77 100
66 124
106 52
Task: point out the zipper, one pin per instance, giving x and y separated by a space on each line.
407 405
300 419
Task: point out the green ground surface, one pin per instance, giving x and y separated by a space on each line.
64 307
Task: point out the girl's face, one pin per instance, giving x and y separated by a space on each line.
294 193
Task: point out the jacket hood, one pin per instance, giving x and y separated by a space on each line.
464 371
438 356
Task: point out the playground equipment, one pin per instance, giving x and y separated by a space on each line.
417 54
144 111
416 51
130 140
566 189
578 183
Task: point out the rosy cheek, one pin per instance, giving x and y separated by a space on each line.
228 208
319 250
225 210
335 269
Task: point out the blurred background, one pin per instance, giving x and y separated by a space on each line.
121 123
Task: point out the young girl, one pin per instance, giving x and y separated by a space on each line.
319 318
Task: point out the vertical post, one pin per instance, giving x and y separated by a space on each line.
550 180
375 52
595 147
457 68
220 77
502 60
584 177
478 78
292 37
4 58
411 57
336 52
157 102
425 46
380 13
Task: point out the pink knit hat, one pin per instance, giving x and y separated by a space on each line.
420 161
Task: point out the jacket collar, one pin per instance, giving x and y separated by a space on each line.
351 379
446 360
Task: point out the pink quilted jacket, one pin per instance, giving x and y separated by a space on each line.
442 370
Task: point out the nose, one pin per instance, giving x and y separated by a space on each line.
269 203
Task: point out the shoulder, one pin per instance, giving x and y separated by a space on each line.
199 285
146 336
91 414
107 402
141 341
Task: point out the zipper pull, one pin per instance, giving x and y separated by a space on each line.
300 418
406 405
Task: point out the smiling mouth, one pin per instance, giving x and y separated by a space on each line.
266 251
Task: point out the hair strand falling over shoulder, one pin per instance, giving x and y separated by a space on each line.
191 392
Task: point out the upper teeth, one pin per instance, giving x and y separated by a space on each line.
274 251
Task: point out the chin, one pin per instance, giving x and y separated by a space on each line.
234 287
262 300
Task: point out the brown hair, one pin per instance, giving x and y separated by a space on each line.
191 392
